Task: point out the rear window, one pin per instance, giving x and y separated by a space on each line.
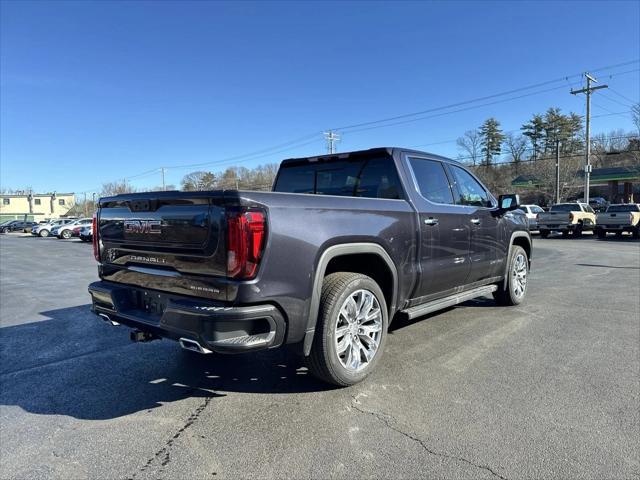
623 208
370 178
565 207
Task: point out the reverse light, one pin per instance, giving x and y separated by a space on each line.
246 231
94 237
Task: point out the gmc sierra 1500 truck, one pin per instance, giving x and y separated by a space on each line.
343 244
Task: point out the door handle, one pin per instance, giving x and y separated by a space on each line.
430 221
475 221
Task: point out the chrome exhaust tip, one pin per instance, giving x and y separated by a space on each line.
193 346
106 318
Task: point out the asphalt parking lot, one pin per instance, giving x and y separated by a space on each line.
548 389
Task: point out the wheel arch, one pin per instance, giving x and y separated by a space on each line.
520 239
370 259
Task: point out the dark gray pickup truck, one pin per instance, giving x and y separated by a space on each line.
342 245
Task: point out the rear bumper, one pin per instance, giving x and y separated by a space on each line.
564 227
214 326
616 228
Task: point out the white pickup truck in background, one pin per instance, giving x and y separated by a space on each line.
619 218
567 218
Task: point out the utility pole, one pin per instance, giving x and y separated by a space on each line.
86 212
557 171
587 167
163 184
332 138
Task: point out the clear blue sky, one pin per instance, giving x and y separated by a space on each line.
95 91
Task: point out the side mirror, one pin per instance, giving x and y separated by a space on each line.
509 202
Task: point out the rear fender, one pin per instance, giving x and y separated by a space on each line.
325 258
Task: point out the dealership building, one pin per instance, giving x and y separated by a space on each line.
35 206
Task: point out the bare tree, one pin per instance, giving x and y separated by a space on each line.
116 188
199 181
515 145
635 114
471 145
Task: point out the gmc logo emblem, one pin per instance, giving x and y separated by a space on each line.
143 226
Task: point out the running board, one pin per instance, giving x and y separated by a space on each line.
435 305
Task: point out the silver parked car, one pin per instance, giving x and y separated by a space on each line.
66 230
44 229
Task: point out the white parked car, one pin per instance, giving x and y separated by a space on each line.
44 229
66 231
532 212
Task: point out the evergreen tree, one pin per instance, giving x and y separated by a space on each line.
534 130
491 140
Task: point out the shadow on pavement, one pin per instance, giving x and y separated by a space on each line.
604 266
74 364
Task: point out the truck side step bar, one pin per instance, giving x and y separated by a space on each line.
450 301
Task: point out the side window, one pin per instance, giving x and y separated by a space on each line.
37 201
432 180
471 192
61 201
5 201
378 179
589 209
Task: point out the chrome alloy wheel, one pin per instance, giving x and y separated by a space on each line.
519 275
358 330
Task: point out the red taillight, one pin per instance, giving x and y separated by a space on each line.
245 240
94 237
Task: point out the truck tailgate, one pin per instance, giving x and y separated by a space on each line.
614 219
171 241
553 218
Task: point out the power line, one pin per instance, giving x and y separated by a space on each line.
615 100
373 127
633 102
257 152
480 99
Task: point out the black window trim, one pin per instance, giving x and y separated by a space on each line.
494 202
416 186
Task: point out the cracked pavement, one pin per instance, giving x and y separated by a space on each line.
549 389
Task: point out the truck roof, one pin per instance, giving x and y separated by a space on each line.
371 151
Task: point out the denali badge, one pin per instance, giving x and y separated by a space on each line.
142 226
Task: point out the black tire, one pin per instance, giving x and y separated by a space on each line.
602 234
5 230
507 295
44 233
323 361
66 234
544 233
578 230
